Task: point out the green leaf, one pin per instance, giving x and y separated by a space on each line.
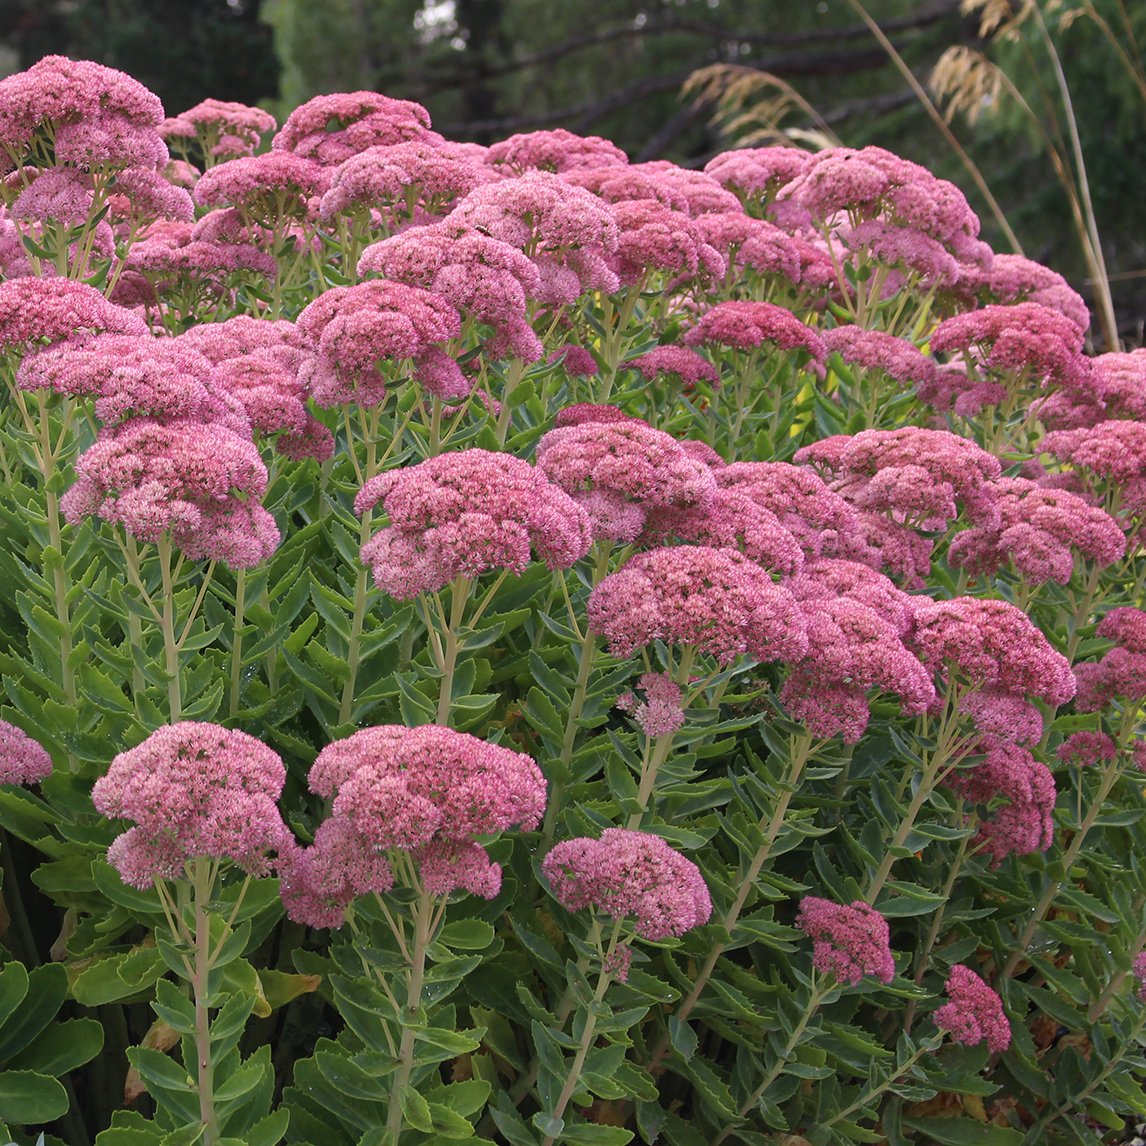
416 1110
594 1134
964 1132
30 1099
119 977
47 989
683 1037
270 1130
62 1047
467 934
13 989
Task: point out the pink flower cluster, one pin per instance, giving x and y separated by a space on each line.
557 150
428 791
37 311
193 789
716 600
974 1013
22 759
463 513
847 941
746 325
661 713
627 874
1121 673
677 362
225 129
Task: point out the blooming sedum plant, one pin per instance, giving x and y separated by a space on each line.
507 644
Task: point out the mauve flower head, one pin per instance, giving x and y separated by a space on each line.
314 440
896 357
1121 673
555 150
727 519
818 517
1008 771
37 311
661 713
678 363
655 238
746 325
619 184
1014 278
200 481
581 412
332 128
848 941
22 759
911 473
925 260
993 645
716 600
129 375
352 330
487 280
628 874
213 120
62 194
1126 626
974 1013
400 180
1113 451
243 334
697 192
1120 382
109 142
1003 714
60 91
193 789
465 512
1087 748
828 578
628 460
574 360
1139 970
1024 339
142 197
264 188
757 173
749 244
267 387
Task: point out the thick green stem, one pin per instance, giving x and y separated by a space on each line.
866 1097
452 645
170 641
357 624
205 1071
237 642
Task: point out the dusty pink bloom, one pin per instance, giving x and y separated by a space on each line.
1086 748
60 91
63 194
749 244
264 188
848 941
993 645
820 519
876 350
1021 340
1125 626
620 184
353 330
1120 382
757 173
715 599
566 230
575 360
243 334
401 180
678 363
314 440
142 197
1139 970
38 311
1014 278
655 238
556 150
129 375
1113 451
200 481
827 578
462 513
727 519
914 474
485 279
692 192
1023 824
1039 531
267 387
623 462
193 789
109 142
926 261
629 874
1120 674
332 128
22 759
745 325
182 174
581 412
212 121
1004 715
974 1013
661 713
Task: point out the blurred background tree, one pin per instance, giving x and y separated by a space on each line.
486 69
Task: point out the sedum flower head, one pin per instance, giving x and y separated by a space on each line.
22 759
746 325
974 1013
555 150
331 128
35 311
848 941
629 874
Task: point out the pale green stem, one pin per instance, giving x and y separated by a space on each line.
451 646
927 1047
237 642
204 1065
170 643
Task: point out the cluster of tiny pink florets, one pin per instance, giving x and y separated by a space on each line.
974 1013
22 759
848 941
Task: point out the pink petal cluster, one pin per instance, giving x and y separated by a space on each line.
228 129
265 188
748 244
661 713
332 128
993 645
243 334
1113 451
628 874
193 789
463 513
757 173
555 150
692 192
1087 749
38 311
353 330
429 791
1008 771
1015 278
1003 714
889 354
143 197
677 362
746 325
486 279
716 600
1038 531
974 1013
1121 673
655 238
199 481
22 759
621 471
848 941
1139 969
